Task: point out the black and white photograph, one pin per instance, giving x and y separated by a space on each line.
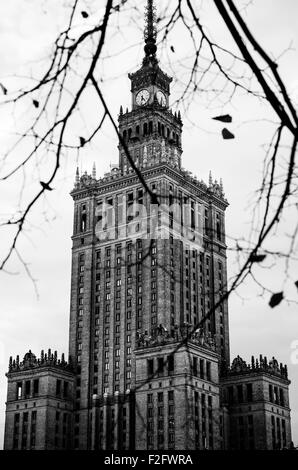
149 228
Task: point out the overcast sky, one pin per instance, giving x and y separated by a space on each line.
27 28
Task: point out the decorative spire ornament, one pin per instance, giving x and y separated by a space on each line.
150 32
210 179
145 158
77 180
221 185
94 171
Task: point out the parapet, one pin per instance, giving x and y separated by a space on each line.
30 361
261 365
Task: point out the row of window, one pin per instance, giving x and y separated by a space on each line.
240 394
160 366
27 389
24 433
201 368
278 431
146 128
203 415
156 413
276 395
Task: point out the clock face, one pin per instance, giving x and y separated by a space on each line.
161 98
142 97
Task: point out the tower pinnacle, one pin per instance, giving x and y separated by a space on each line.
150 31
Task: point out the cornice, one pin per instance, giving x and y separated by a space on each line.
126 181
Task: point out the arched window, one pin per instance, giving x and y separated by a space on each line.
145 129
83 222
150 127
137 129
129 133
159 132
162 130
168 133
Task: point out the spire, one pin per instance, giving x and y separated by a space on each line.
221 185
94 171
150 31
145 155
77 181
210 179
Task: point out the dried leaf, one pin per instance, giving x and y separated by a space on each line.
82 141
223 118
36 103
46 186
276 299
4 90
256 258
227 134
172 49
84 14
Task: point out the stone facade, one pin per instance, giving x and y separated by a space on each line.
39 407
256 396
149 333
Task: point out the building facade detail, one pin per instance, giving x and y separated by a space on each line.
149 354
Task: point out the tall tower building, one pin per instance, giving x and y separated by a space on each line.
149 362
145 267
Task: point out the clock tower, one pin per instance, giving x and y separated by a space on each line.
150 130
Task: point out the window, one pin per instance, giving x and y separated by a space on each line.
195 366
58 387
208 370
35 387
150 367
160 365
240 393
27 388
249 392
202 372
170 364
231 395
276 397
271 393
19 390
218 226
281 397
65 389
250 420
